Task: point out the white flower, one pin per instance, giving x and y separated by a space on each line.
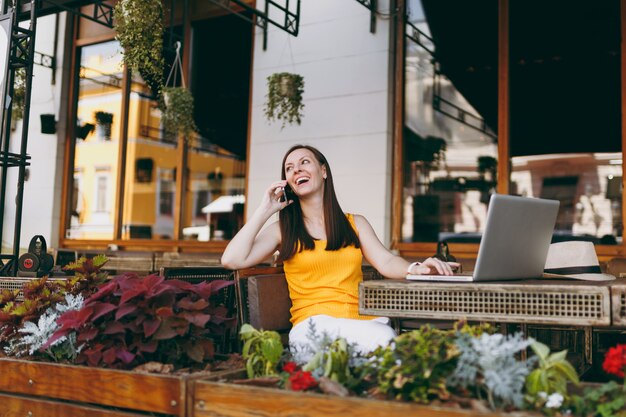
554 400
543 395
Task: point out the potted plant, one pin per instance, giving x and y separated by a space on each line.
160 325
284 98
104 120
453 373
177 118
139 29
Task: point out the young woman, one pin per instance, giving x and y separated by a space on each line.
322 250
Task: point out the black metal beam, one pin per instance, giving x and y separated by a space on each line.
371 5
102 12
290 22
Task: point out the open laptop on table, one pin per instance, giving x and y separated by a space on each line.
515 242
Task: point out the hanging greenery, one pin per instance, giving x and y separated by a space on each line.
19 94
103 117
139 27
284 98
178 115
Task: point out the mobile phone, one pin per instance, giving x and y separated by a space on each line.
288 194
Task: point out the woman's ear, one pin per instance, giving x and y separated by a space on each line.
324 171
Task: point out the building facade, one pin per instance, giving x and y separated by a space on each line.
415 107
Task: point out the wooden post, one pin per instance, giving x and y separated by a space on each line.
504 170
397 178
121 158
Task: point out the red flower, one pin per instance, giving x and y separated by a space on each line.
290 367
302 380
615 361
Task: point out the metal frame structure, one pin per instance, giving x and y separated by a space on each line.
290 23
371 5
21 55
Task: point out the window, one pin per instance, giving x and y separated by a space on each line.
152 158
102 192
450 148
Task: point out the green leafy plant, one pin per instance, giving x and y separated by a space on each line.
40 295
132 320
488 364
88 275
33 336
415 366
262 350
606 400
139 29
178 115
284 98
332 362
552 374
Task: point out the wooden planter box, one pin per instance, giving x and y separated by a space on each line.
14 405
214 398
35 386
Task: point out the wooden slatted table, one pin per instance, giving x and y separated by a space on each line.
560 302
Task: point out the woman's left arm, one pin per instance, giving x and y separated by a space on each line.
390 265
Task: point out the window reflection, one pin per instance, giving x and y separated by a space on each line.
449 151
97 142
589 187
151 160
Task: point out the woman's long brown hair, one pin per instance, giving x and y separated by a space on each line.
295 237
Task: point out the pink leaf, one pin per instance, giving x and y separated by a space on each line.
150 326
125 356
125 310
100 309
108 356
114 327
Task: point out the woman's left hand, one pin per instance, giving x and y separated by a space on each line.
434 266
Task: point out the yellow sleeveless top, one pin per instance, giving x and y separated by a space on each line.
325 282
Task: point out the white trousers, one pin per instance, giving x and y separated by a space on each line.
365 335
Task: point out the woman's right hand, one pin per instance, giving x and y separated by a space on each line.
272 197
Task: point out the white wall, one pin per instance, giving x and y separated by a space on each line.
346 96
42 191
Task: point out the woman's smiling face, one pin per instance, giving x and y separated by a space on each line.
303 172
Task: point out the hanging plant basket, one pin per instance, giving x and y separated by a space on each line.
178 115
284 98
139 28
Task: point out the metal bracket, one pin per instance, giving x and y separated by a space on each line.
102 12
290 23
44 60
371 5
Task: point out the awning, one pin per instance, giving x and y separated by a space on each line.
224 204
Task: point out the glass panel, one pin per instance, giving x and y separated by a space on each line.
215 197
151 159
450 147
589 187
214 202
566 136
97 142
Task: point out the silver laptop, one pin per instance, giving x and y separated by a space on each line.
515 242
